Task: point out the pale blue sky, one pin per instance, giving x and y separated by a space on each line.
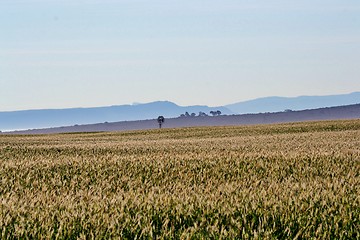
69 53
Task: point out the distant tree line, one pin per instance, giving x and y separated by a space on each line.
215 113
161 119
201 114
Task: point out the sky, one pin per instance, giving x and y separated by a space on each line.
88 53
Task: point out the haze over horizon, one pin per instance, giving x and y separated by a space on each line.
195 104
66 54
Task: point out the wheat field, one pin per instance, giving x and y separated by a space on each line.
284 181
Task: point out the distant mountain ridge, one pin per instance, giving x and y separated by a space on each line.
332 113
46 118
278 104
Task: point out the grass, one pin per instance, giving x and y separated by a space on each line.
285 181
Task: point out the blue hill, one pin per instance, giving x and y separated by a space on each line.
278 104
65 117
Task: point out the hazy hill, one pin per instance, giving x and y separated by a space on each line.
333 113
31 119
277 104
64 117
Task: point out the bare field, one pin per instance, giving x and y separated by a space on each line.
285 181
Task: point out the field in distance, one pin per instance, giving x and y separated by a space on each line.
284 181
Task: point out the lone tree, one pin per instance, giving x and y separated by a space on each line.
160 120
